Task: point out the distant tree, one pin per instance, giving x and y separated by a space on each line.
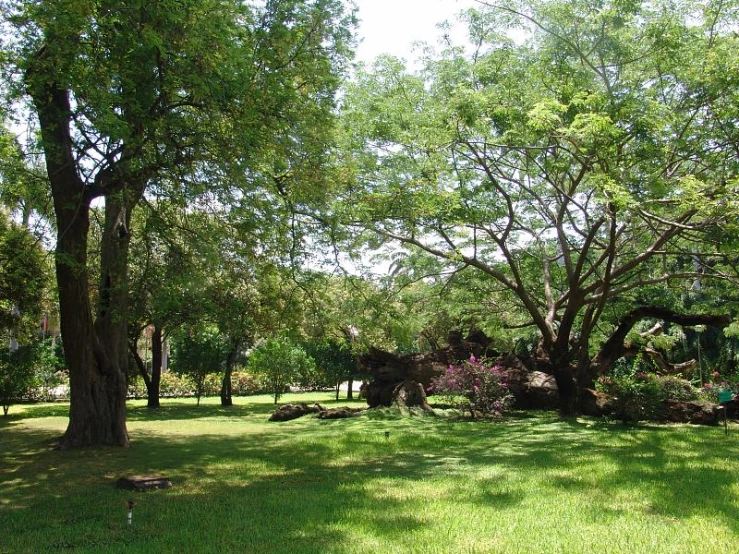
23 278
22 282
335 360
281 364
198 351
16 374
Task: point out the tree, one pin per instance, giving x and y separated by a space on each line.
23 281
335 360
201 97
582 164
24 188
281 364
198 351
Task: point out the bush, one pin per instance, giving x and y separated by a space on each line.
173 385
717 383
136 387
281 364
245 384
640 396
475 386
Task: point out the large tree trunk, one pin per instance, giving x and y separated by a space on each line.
97 355
569 401
95 351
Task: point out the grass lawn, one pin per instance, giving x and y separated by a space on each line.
531 484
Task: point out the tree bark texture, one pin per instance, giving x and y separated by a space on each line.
95 348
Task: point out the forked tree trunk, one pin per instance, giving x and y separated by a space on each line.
152 381
95 351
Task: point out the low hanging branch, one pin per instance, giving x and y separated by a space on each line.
615 347
659 360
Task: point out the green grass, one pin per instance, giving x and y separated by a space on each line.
531 484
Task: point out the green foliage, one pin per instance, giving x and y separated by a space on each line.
197 351
335 360
16 375
545 167
280 364
637 396
23 278
27 372
205 102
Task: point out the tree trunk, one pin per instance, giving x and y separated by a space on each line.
568 397
96 352
350 389
153 388
153 381
226 389
226 385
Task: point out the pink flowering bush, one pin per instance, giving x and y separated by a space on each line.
482 387
717 383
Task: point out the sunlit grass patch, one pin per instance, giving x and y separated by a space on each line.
372 483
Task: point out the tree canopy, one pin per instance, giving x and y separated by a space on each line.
196 99
584 160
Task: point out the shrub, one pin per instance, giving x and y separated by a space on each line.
640 396
281 364
717 383
674 388
173 385
245 384
634 397
476 386
136 387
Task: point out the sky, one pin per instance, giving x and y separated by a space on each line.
391 26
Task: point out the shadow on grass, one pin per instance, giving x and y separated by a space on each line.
303 486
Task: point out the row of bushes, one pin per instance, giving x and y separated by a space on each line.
173 385
642 396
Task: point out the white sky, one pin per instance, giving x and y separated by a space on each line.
392 26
